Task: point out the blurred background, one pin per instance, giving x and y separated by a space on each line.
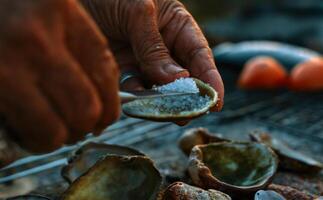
294 21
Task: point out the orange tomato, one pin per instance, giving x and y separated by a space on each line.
308 75
263 73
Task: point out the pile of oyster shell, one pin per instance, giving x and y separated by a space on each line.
245 169
219 169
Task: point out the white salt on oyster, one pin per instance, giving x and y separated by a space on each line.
179 85
175 108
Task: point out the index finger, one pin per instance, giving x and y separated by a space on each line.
96 60
185 39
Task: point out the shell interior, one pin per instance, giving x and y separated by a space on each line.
117 177
240 164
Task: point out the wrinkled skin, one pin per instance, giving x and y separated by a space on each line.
55 85
58 78
157 38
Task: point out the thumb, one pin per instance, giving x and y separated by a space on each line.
155 61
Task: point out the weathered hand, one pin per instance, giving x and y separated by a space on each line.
155 38
58 81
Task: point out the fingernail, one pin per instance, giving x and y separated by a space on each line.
173 69
182 123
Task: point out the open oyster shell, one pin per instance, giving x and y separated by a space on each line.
182 191
232 167
85 157
158 109
117 178
288 158
197 136
268 195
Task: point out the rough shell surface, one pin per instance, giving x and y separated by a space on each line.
182 191
290 193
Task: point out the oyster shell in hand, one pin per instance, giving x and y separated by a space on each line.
175 108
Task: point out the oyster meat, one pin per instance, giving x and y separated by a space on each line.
117 177
175 108
289 159
232 167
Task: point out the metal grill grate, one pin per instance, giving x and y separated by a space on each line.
299 113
